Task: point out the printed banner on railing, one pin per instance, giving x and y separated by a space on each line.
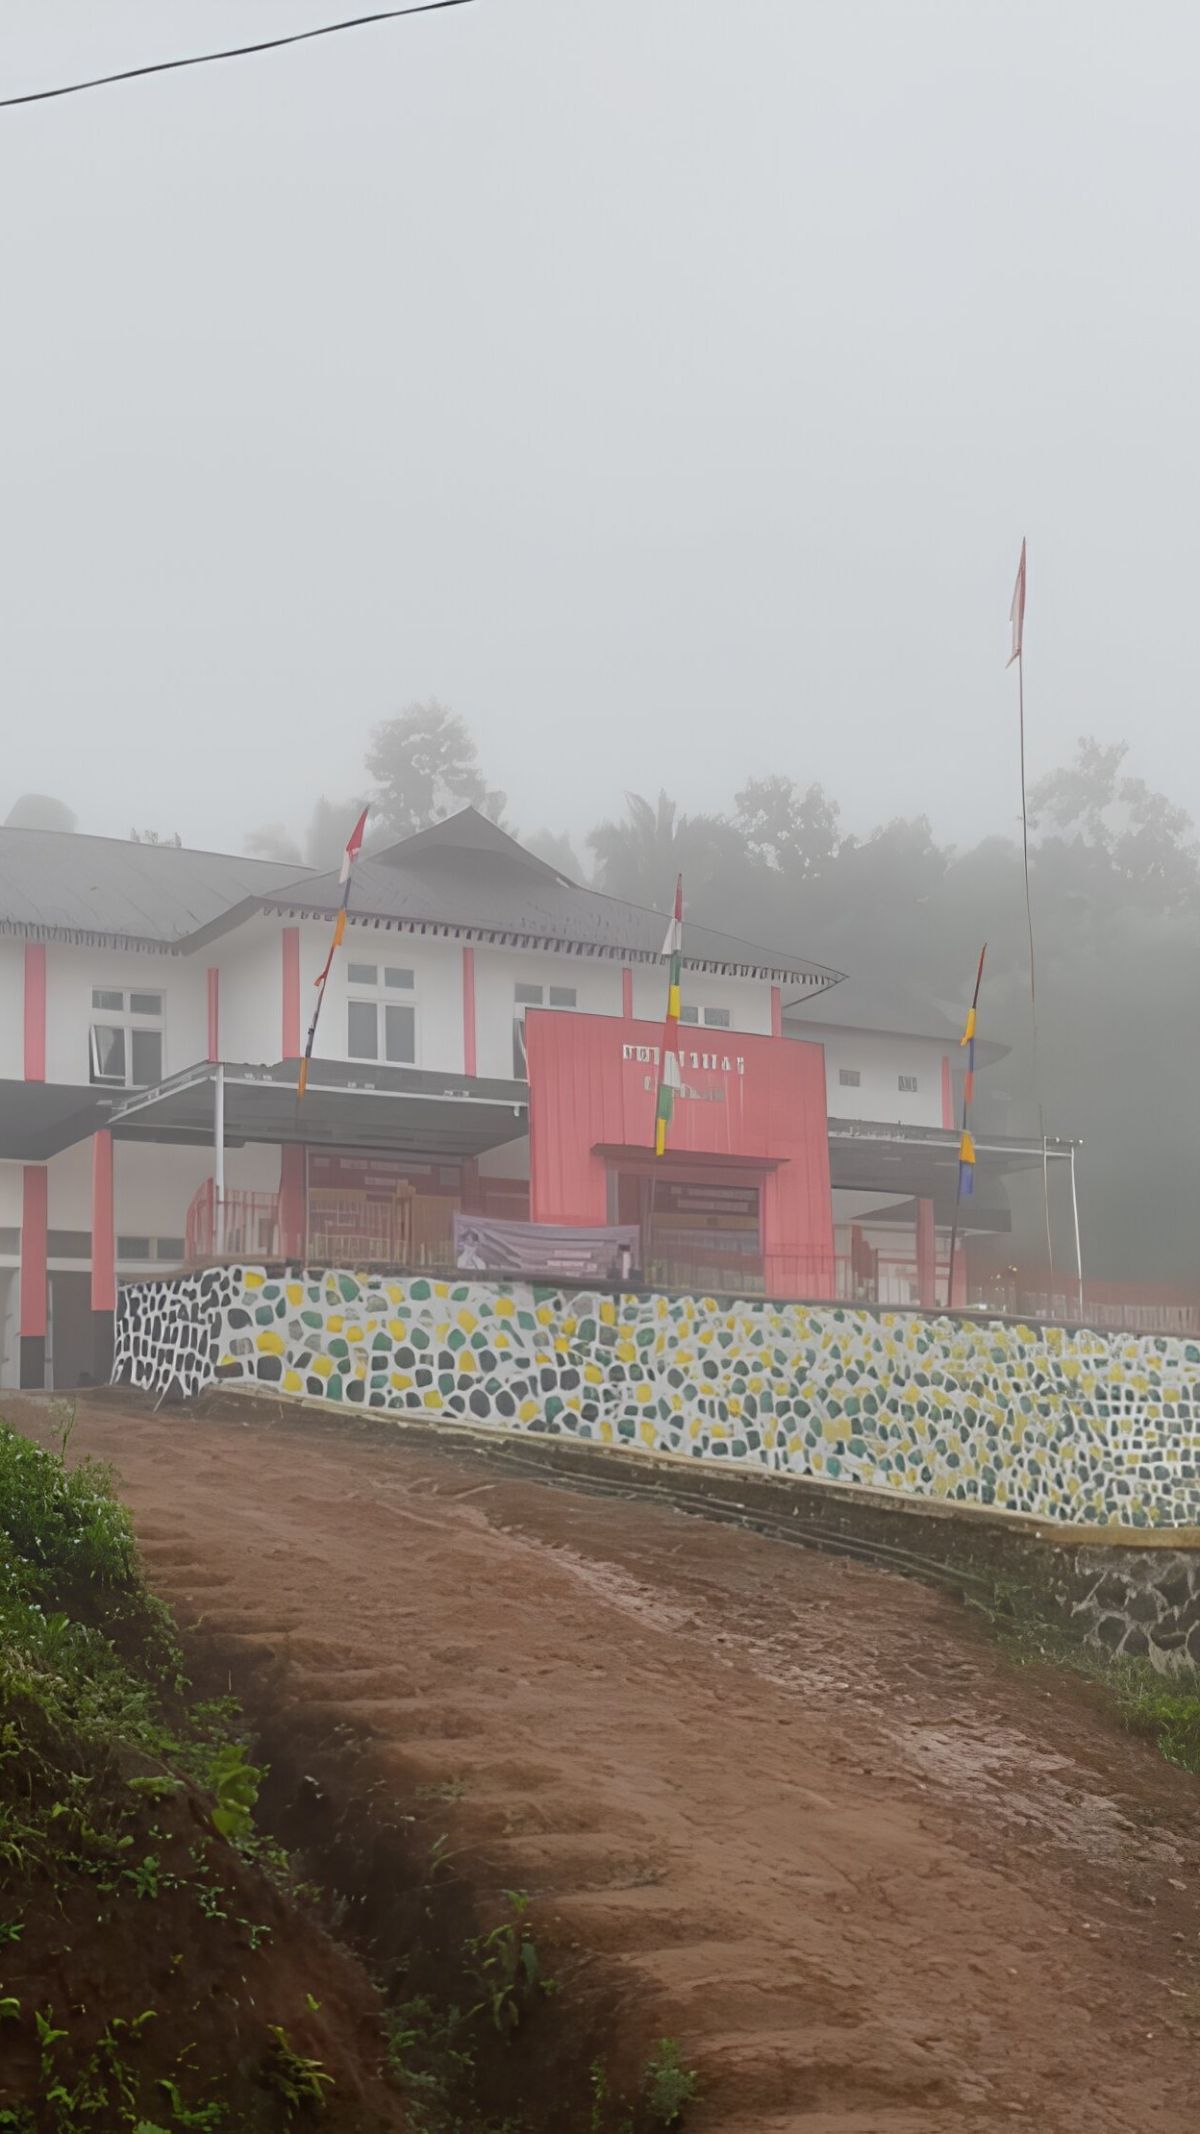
483 1245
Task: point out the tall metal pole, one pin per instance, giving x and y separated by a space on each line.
219 1161
1078 1246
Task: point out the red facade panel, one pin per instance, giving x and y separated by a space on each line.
592 1082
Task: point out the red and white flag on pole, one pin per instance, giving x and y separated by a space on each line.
354 842
1016 613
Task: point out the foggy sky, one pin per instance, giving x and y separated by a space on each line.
666 384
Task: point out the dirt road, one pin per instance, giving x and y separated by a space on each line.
876 1881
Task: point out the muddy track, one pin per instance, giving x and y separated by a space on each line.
790 1809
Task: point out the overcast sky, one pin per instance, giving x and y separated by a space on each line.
666 384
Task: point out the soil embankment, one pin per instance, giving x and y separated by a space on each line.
793 1812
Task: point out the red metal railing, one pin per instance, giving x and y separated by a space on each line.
245 1227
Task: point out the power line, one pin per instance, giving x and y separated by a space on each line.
239 51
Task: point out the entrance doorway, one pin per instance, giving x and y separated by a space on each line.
698 1232
69 1360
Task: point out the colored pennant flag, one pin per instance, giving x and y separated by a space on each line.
1016 613
670 1077
966 1166
353 848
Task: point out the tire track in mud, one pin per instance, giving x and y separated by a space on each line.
788 1809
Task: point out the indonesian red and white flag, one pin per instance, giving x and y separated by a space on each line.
1016 613
353 846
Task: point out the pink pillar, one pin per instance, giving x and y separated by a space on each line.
35 1011
468 990
947 1092
291 993
104 1249
214 1013
776 1012
293 1203
34 1295
627 994
926 1256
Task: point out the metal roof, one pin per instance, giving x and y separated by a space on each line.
467 877
406 1110
887 1010
56 884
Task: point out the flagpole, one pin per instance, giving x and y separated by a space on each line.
1018 620
966 1148
1078 1246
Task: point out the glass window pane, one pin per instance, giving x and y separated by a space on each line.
717 1018
562 996
146 1057
401 1034
520 1063
689 1015
108 1053
528 996
168 1248
145 1003
362 1030
363 974
133 1248
398 978
849 1077
114 1002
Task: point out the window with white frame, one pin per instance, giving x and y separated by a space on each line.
712 1018
381 1013
535 996
125 1042
849 1077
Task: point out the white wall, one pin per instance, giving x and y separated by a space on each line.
437 990
250 992
747 999
72 972
498 971
12 1010
881 1060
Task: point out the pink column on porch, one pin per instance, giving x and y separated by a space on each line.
35 1011
926 1256
468 997
214 1013
293 1207
627 994
291 993
35 1196
104 1245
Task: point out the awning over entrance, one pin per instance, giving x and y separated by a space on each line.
395 1108
37 1119
921 1163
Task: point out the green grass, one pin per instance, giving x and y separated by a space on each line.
1163 1709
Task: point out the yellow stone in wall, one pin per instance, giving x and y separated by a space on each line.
433 1398
467 1321
527 1411
608 1312
593 1374
401 1382
253 1279
322 1366
397 1330
647 1433
270 1342
295 1293
606 1433
334 1323
292 1382
503 1308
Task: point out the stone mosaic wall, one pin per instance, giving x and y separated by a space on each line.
1090 1428
1145 1606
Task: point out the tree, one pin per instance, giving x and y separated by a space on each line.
558 852
274 841
640 857
156 837
425 767
40 811
791 830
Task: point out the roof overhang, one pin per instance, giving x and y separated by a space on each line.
921 1162
403 1110
37 1119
